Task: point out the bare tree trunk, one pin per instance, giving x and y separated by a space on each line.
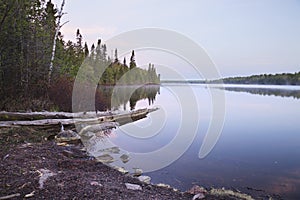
60 14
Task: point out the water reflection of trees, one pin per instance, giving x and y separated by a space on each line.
268 91
118 97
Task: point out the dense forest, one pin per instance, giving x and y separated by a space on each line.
37 65
266 79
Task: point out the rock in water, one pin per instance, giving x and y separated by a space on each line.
124 158
115 150
163 185
106 158
131 186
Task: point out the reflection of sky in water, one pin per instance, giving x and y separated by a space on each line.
259 146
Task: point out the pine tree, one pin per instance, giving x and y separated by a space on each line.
86 50
98 51
104 53
132 64
79 39
116 56
93 52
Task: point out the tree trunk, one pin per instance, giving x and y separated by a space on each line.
60 14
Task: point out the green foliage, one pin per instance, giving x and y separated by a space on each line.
27 31
267 79
132 64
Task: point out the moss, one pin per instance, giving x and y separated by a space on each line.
223 192
54 108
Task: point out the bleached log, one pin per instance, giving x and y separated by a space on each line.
72 118
20 116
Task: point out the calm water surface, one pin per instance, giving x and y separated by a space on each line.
259 146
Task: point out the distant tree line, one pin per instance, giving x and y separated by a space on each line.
266 79
27 31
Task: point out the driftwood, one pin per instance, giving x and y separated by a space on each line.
18 116
50 119
21 116
10 196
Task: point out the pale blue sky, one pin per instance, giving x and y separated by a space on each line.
242 37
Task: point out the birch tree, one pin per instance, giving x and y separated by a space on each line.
60 14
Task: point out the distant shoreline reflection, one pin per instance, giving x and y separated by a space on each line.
264 91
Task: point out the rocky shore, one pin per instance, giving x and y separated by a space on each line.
34 167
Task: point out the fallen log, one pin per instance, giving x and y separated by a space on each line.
80 118
19 116
22 116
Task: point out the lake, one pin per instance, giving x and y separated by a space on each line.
258 147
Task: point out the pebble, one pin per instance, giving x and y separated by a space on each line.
95 183
137 172
145 179
124 158
199 196
121 169
131 186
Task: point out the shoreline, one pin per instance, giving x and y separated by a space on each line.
34 167
44 169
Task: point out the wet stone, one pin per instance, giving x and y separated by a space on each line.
121 169
106 158
124 158
114 150
145 179
137 172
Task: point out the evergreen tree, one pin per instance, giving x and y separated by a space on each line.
86 50
98 51
27 31
79 39
93 52
124 62
104 52
116 56
132 64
